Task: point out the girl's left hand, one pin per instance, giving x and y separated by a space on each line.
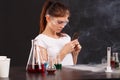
77 47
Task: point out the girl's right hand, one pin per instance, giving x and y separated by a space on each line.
69 47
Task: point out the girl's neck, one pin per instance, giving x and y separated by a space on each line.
50 33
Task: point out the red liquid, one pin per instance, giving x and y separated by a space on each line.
36 68
51 71
113 64
42 68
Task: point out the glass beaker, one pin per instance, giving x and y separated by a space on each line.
34 62
51 67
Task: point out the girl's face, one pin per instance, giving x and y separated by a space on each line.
58 23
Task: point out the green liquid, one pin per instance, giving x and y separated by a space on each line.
116 64
58 66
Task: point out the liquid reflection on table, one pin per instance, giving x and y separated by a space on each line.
43 76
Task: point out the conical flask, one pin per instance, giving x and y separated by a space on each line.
34 63
51 67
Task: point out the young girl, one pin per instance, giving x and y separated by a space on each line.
51 41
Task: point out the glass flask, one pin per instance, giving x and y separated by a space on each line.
51 67
58 64
34 63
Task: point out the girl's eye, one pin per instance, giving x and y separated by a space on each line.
62 22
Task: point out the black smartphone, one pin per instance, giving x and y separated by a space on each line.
75 36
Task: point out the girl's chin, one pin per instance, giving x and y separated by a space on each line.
60 30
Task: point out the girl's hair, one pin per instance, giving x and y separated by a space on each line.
53 8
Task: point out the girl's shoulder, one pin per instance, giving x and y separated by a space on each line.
39 36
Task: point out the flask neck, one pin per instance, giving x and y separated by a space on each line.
116 56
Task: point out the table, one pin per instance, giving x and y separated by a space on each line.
19 73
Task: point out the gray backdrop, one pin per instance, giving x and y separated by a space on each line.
97 21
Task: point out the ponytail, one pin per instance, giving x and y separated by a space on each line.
43 13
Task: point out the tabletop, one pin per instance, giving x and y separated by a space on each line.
19 73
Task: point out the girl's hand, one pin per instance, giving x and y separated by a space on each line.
77 47
69 47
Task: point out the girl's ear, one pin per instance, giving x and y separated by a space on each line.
47 18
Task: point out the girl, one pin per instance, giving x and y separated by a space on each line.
51 41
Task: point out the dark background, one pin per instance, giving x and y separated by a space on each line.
98 22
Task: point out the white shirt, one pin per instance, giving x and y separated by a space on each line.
54 46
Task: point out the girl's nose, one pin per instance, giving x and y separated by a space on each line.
62 26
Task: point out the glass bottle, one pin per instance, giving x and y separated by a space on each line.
116 61
58 64
113 60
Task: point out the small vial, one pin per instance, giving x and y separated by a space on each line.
116 61
113 60
58 64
